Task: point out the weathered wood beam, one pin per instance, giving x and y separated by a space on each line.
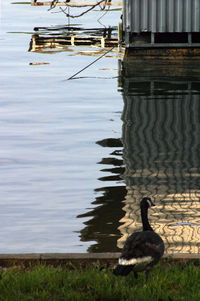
72 2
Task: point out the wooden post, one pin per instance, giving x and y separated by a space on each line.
72 40
152 38
189 38
103 42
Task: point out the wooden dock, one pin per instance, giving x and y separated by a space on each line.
42 43
74 3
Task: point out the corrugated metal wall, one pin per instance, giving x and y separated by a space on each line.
161 138
161 15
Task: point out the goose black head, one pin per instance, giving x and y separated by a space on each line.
146 203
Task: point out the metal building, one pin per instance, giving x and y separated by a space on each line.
165 23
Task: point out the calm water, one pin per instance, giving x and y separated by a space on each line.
51 163
76 156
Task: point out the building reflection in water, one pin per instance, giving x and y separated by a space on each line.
161 143
161 154
104 221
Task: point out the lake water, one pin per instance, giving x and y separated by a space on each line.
76 156
49 156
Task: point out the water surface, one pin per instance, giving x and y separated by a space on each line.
160 135
49 155
77 156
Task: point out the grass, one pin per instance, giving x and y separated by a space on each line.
167 282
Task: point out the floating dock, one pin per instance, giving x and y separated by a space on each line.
155 28
73 3
40 43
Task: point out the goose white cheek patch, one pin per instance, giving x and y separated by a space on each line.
133 261
149 203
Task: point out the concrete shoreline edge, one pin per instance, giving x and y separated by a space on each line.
77 259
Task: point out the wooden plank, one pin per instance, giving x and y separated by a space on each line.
65 259
38 42
78 256
78 259
72 2
182 256
20 256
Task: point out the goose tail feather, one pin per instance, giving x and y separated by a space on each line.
122 270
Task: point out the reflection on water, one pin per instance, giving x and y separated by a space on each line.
48 153
48 131
104 218
161 139
68 38
102 226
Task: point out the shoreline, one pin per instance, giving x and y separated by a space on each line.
78 259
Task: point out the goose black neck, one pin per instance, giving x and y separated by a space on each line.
145 221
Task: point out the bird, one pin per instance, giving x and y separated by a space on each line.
142 250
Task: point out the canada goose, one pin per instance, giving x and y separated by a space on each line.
142 250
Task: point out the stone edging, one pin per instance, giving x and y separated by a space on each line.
82 259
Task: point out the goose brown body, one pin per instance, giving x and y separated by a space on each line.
142 250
